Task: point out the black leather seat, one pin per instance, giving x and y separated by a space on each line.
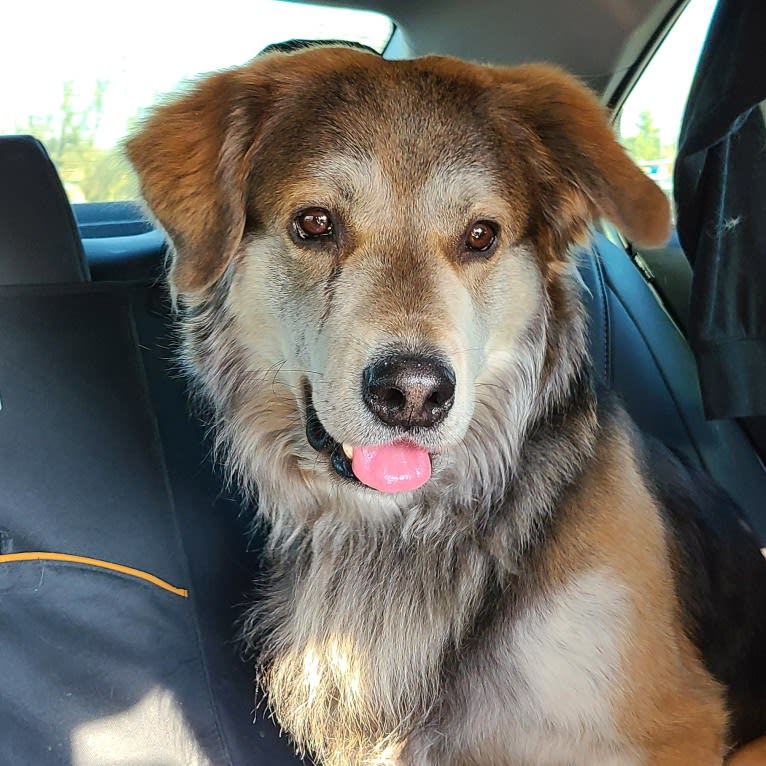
121 562
638 351
101 461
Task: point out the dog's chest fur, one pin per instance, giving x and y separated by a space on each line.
366 661
557 669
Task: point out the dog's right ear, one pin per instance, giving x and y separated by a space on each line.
192 157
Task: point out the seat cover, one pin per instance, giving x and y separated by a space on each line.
122 564
120 570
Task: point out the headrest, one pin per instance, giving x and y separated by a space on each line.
288 46
39 240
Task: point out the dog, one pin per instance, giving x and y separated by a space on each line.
474 558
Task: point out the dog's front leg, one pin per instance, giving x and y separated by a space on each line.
693 746
753 754
444 747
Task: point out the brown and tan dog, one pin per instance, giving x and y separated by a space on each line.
475 561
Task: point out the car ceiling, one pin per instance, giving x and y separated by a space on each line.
599 40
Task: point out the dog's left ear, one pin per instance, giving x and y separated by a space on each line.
575 145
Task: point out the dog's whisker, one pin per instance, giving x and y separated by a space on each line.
459 351
500 387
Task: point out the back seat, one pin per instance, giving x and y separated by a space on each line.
101 463
639 352
122 562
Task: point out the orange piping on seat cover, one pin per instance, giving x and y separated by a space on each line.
67 558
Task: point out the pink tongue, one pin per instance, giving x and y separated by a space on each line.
392 467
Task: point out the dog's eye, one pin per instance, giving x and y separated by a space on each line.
313 223
481 236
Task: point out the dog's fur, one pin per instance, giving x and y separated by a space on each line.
556 593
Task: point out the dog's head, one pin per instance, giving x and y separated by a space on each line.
372 256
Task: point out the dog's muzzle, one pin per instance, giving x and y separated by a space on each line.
410 395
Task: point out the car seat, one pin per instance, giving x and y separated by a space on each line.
122 563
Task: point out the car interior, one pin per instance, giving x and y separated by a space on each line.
124 555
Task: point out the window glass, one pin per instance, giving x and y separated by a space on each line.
649 121
79 74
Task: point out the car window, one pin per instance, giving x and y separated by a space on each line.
92 72
649 121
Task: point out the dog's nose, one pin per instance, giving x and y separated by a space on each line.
409 391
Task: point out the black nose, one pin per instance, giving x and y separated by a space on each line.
409 391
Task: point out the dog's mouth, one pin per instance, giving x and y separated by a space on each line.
400 466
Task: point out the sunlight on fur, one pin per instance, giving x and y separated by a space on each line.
330 695
311 672
387 757
334 658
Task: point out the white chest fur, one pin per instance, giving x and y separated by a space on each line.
559 672
540 692
567 650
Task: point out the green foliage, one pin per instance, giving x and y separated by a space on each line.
646 145
90 173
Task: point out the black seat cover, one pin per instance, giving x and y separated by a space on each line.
121 562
